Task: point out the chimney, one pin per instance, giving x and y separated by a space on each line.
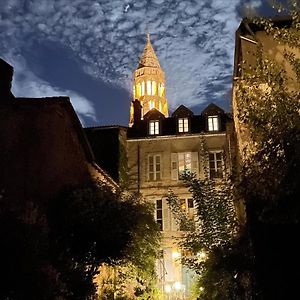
6 75
137 111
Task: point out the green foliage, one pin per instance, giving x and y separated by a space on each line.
133 276
268 105
53 251
211 244
268 102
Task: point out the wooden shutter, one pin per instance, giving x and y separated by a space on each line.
174 166
166 218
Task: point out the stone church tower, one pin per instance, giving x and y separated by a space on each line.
149 83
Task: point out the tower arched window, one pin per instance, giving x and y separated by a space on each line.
151 104
160 89
159 106
149 88
138 90
154 88
143 88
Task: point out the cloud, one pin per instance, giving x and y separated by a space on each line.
26 84
194 40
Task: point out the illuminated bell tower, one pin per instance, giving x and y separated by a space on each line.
149 83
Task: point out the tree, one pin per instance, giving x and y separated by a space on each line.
212 245
92 226
134 276
267 96
55 250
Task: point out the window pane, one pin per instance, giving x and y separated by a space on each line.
186 125
182 204
159 214
149 90
143 89
190 203
154 127
215 165
213 123
153 87
159 222
158 203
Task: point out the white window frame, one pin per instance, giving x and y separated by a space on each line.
159 213
183 125
216 165
189 161
154 127
154 167
213 123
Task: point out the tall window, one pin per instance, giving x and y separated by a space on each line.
183 125
153 127
151 104
187 207
159 214
161 89
183 161
154 88
154 167
138 90
213 123
143 88
215 165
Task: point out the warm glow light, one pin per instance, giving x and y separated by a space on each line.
177 286
168 288
176 255
202 255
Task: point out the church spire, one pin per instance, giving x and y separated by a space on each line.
149 83
148 57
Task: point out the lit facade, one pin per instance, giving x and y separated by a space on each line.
149 83
159 149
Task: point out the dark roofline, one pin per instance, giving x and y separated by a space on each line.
63 101
106 127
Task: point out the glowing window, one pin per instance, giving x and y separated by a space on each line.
160 89
153 127
159 106
183 125
149 88
182 162
154 88
213 123
143 89
215 165
154 167
138 89
151 104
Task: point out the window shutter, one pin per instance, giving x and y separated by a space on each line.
174 166
195 164
166 219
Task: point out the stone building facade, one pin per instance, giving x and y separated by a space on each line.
159 149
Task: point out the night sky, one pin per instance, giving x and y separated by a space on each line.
88 49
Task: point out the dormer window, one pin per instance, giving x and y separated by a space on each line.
213 123
153 127
183 125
